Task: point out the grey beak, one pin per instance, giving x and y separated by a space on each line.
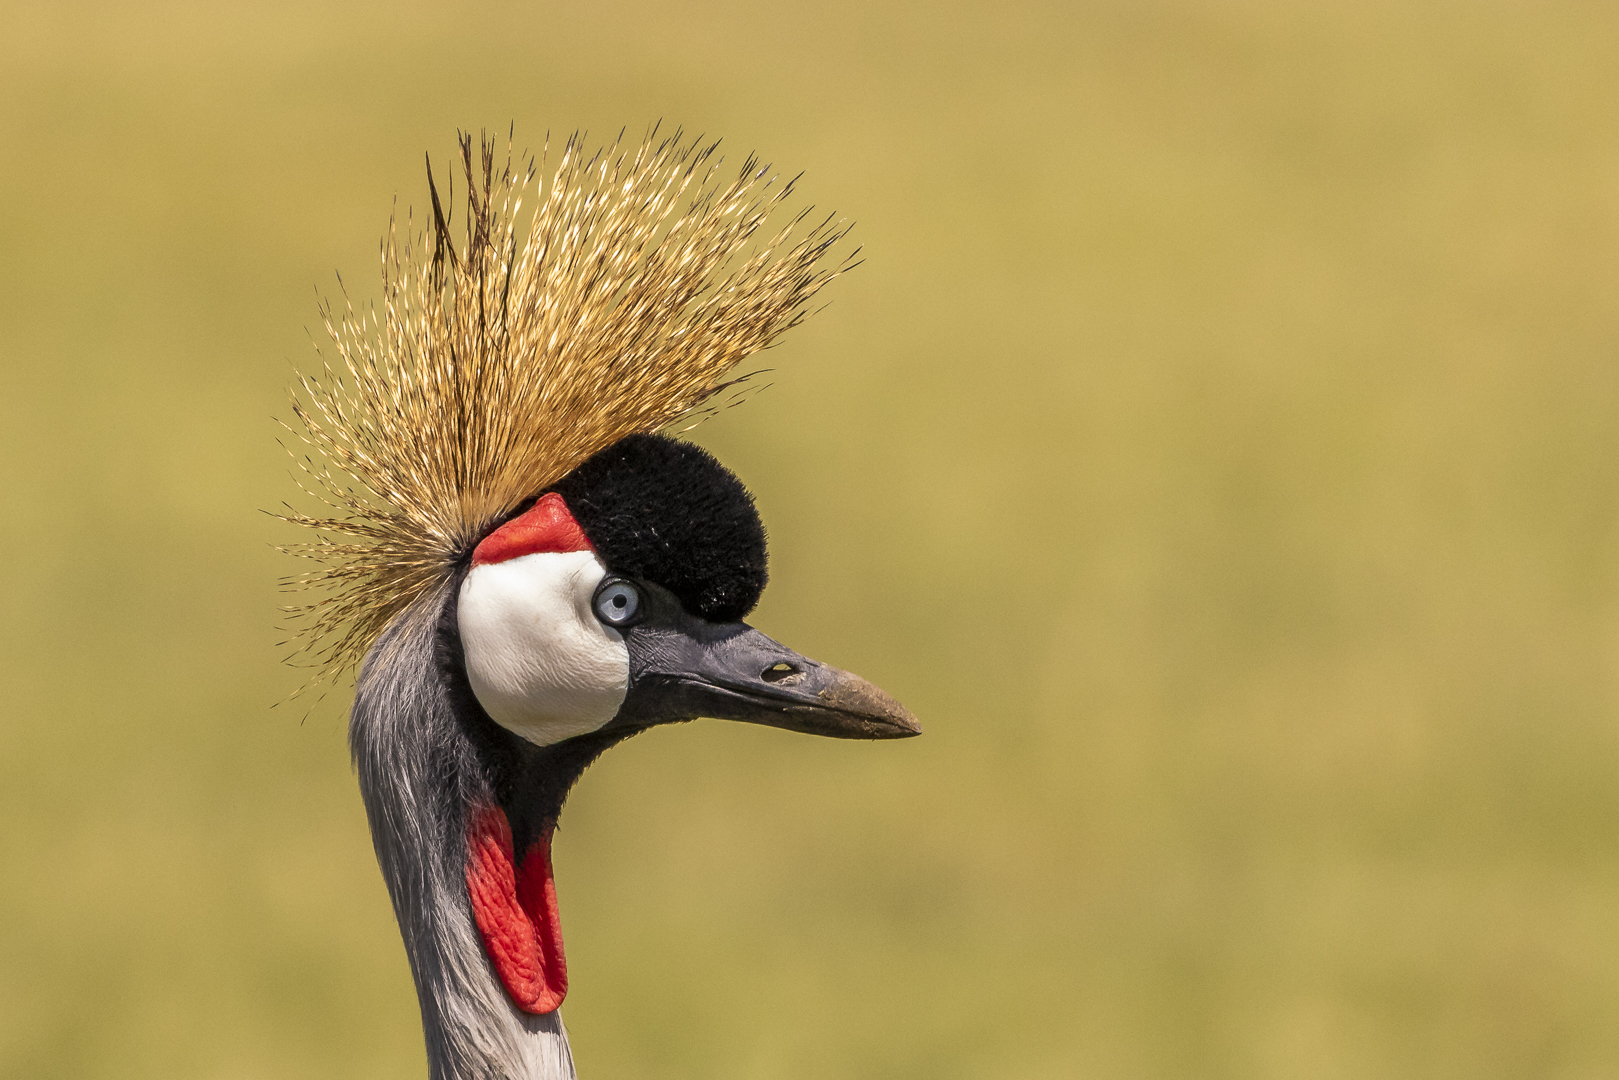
684 668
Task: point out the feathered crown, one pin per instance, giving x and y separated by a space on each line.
494 367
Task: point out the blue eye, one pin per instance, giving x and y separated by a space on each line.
617 602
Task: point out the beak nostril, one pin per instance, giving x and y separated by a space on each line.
779 672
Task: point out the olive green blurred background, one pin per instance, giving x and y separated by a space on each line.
1219 450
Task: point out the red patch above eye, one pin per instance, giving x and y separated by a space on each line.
546 527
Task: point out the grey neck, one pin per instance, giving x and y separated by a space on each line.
418 774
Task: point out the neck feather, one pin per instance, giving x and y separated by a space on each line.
420 771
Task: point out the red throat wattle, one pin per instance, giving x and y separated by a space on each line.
515 906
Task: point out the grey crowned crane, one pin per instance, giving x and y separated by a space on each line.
525 568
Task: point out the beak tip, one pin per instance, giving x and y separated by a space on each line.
884 717
902 723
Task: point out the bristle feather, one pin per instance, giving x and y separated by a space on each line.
495 368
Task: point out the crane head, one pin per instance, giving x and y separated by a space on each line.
632 617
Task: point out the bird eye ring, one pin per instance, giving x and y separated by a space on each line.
617 602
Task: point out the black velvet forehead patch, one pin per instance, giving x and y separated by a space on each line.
665 511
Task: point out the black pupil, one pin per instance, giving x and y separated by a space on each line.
619 600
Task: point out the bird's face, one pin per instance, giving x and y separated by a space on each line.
541 660
630 617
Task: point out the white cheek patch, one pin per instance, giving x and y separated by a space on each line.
540 662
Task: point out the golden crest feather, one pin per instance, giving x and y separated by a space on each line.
494 367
